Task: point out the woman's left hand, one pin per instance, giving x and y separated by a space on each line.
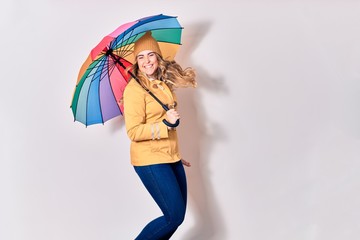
172 115
186 163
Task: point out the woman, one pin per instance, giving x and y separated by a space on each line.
154 145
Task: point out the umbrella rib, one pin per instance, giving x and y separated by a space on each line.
125 52
111 87
87 77
100 79
111 67
98 71
92 77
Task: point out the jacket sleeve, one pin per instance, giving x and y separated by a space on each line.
137 127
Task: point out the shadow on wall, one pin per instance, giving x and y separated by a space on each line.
198 136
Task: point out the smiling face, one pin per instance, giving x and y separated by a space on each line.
147 62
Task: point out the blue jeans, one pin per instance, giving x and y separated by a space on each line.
167 185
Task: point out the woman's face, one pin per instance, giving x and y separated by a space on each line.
147 62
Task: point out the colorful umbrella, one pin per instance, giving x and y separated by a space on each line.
102 77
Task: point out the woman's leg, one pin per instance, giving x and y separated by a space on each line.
167 185
180 175
179 172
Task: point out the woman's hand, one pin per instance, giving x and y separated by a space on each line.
172 115
186 163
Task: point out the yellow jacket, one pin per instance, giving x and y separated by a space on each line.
151 141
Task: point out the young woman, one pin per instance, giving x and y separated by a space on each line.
154 145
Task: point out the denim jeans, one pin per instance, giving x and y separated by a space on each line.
167 185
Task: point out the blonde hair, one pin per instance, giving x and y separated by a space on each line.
171 73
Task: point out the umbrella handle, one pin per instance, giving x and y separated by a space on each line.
173 125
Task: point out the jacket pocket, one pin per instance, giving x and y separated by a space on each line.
162 145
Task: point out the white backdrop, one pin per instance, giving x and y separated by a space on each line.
272 130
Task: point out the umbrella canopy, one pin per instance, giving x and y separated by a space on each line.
103 77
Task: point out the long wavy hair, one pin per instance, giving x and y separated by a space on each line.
170 72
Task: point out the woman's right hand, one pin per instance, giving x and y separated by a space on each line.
172 116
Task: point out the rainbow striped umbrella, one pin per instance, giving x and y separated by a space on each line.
103 76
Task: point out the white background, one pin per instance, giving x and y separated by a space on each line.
272 130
